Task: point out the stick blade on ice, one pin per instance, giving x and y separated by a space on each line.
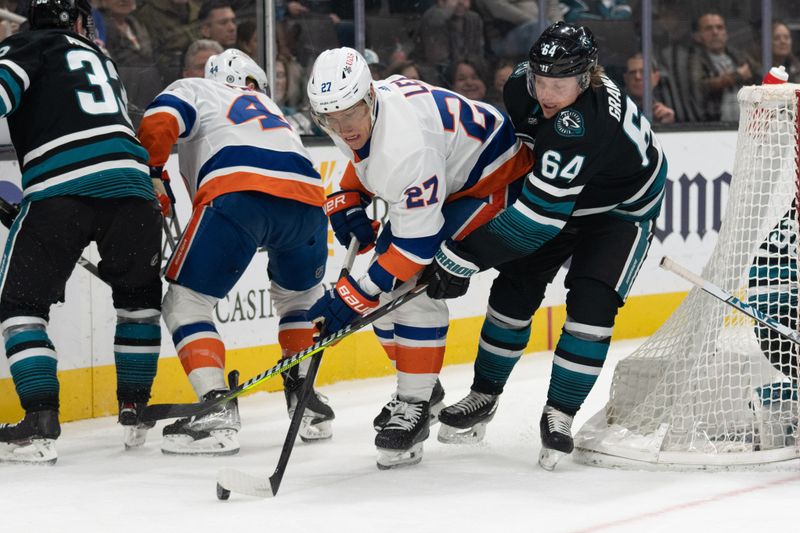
233 480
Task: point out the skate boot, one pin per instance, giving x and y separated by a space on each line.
31 440
465 421
437 404
556 431
134 430
214 433
316 423
400 441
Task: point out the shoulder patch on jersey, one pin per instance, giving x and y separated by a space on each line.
569 123
520 70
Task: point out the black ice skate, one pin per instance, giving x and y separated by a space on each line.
437 404
31 440
465 421
134 431
556 431
400 441
214 433
316 423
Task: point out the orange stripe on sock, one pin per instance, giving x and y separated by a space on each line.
419 360
202 353
295 340
390 348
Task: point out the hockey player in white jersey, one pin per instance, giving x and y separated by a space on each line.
445 165
253 185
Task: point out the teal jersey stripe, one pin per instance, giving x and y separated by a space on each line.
111 183
83 153
557 208
520 232
16 90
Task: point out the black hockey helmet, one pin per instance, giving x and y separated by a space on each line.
43 14
563 50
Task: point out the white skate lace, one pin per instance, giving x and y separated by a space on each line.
472 402
558 422
405 415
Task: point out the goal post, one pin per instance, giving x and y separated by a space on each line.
711 388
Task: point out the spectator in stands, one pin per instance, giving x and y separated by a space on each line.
466 78
288 93
674 46
502 71
584 10
718 71
376 67
218 22
194 62
634 86
782 51
404 68
128 42
512 25
450 32
172 25
247 38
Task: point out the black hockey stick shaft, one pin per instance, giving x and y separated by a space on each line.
728 298
307 390
9 212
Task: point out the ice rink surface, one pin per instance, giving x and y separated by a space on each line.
335 486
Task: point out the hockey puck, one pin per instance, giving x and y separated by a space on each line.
222 492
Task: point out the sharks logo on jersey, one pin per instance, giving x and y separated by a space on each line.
569 123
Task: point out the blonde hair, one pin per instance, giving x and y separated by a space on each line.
596 74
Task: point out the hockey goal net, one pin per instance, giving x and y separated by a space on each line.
711 388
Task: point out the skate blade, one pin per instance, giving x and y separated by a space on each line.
435 412
549 458
220 442
451 435
388 459
311 432
134 436
230 480
33 452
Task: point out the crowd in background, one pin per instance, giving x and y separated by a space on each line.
704 50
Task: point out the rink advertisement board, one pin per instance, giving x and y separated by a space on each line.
700 169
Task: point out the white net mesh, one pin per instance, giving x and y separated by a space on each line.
711 388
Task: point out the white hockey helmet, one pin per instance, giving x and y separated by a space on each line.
339 80
234 67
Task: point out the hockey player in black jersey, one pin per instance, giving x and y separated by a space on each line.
84 178
592 196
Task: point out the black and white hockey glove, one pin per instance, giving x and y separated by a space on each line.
448 275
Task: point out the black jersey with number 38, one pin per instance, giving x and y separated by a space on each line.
595 156
67 114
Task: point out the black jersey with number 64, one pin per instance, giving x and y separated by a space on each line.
68 118
595 156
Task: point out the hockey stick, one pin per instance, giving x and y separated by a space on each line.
231 480
161 411
728 298
9 212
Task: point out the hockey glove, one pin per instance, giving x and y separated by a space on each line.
448 275
166 199
341 305
347 214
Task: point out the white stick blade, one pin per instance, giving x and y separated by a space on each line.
241 483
